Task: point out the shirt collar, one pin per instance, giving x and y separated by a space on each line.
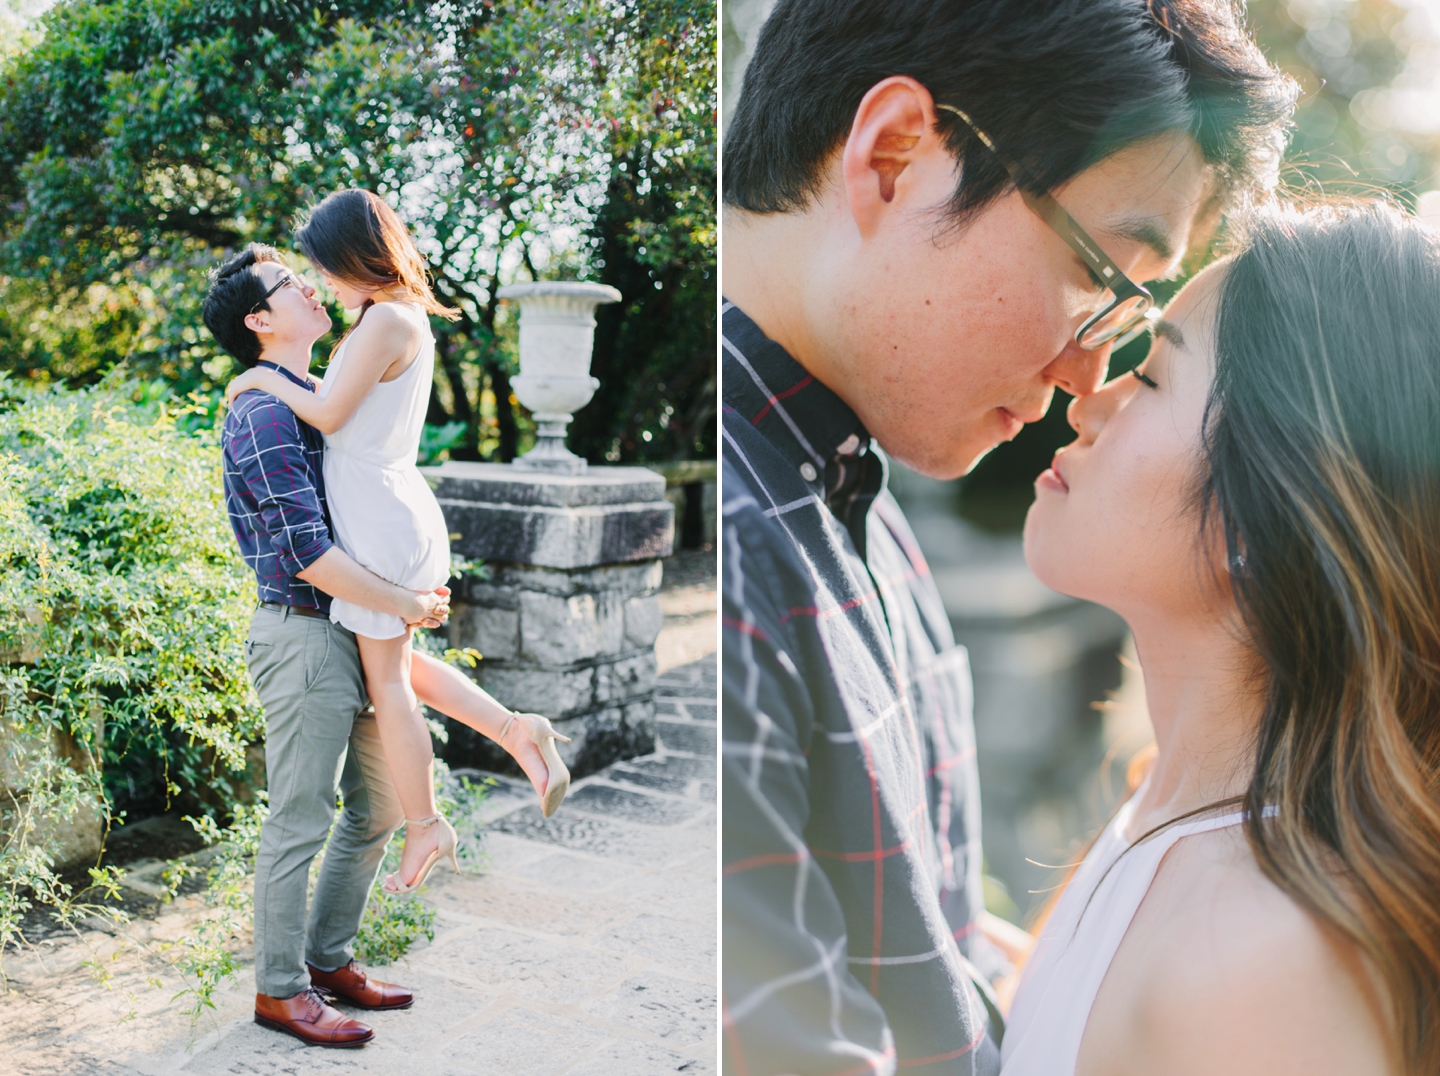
823 439
307 383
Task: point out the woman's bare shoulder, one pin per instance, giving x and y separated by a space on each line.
1230 974
398 320
386 340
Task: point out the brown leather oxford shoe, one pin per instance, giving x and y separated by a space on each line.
310 1019
352 984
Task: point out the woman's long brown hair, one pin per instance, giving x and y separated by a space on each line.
1322 467
355 236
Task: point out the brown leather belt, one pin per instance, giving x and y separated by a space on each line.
296 610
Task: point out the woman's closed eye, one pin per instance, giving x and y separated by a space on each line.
1143 378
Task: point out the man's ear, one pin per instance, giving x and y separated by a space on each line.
892 147
259 322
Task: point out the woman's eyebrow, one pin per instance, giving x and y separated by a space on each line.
1169 331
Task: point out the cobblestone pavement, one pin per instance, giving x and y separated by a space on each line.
587 948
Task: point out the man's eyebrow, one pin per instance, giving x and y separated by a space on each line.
1168 330
1147 231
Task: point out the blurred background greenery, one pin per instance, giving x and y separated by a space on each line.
141 140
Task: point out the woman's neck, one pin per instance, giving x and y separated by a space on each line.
1204 706
393 294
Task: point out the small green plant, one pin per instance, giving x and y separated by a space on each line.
437 441
392 924
207 957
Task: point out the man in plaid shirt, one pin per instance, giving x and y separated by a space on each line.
936 214
306 670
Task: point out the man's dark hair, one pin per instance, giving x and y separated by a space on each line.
236 290
1057 84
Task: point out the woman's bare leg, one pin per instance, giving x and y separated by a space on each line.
406 740
443 687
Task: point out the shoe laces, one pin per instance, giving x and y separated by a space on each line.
316 997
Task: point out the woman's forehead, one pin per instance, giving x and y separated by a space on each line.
1191 314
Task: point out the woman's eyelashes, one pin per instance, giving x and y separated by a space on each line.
1143 379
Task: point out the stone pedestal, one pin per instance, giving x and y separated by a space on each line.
566 614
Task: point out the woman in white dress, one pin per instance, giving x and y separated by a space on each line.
1261 502
371 408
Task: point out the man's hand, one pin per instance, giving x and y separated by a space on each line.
337 575
432 607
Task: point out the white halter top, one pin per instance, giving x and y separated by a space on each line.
1073 953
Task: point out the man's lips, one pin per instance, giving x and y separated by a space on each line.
1015 421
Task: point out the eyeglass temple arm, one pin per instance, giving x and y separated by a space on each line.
1044 206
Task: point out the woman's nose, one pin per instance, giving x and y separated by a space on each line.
1088 414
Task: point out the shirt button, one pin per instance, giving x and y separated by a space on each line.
807 471
849 445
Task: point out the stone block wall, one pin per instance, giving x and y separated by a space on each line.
566 615
692 487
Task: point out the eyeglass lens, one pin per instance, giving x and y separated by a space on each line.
1129 313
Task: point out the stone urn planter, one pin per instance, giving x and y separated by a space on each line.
557 333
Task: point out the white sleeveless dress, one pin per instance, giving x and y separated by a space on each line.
1073 953
382 511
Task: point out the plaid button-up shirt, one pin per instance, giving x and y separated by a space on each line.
852 816
275 494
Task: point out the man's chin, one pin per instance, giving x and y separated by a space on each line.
937 462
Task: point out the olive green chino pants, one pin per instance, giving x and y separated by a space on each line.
308 676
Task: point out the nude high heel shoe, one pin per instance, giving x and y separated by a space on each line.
446 848
543 735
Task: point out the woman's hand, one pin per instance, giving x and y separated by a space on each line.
252 378
432 608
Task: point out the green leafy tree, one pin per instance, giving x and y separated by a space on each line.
139 140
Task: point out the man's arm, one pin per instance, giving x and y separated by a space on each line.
790 1003
268 452
339 576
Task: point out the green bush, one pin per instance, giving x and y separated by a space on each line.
123 608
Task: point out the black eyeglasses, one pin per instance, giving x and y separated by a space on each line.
287 278
1129 309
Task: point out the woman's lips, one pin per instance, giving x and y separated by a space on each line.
1052 479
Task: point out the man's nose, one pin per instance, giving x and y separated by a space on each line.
1077 371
